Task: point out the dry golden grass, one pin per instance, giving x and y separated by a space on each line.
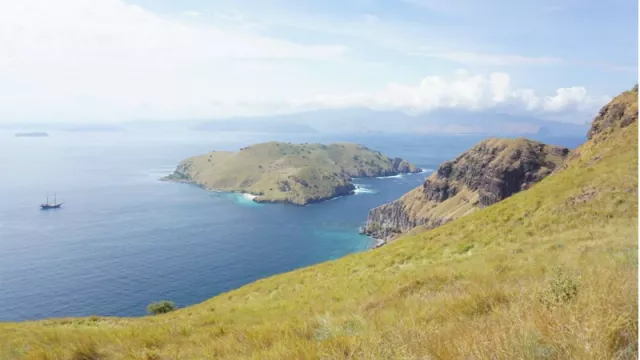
550 273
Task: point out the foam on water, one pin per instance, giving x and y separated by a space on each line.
244 199
155 174
399 176
353 239
362 189
249 196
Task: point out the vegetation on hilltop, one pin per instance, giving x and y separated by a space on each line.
161 307
491 171
285 172
549 273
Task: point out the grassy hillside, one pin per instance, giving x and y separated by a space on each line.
549 273
285 172
489 172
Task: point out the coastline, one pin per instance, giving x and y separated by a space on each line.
249 196
256 198
379 243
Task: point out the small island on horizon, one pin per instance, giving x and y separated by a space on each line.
279 172
32 134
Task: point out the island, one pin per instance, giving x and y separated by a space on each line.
32 134
280 172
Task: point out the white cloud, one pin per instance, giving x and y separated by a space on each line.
573 98
447 6
105 60
487 59
461 91
370 18
191 13
86 59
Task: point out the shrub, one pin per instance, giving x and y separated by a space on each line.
561 288
161 307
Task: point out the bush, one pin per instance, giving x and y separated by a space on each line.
561 288
161 307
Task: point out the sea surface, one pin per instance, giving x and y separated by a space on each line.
124 239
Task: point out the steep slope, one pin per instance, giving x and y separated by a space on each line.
491 171
619 113
548 273
285 172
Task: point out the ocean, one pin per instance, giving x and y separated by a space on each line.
124 239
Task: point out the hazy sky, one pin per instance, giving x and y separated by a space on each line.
113 60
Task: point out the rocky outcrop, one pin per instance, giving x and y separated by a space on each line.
401 166
619 113
491 171
613 121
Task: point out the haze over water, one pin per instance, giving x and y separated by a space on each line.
124 239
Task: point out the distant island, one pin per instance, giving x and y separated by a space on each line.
32 134
291 173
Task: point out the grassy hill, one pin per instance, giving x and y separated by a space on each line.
285 172
489 172
549 273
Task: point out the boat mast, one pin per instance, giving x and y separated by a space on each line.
54 199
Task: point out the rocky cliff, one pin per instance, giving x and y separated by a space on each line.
619 113
491 171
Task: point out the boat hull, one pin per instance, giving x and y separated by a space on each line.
50 207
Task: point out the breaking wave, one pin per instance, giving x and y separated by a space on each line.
362 189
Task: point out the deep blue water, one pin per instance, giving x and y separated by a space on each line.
124 239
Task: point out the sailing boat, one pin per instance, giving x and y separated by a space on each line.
48 206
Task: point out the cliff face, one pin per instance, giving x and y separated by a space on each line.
294 173
619 113
491 171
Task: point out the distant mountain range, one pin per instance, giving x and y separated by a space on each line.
345 121
370 121
29 127
260 125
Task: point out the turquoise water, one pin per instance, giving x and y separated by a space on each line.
124 239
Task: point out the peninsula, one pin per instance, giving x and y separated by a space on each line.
299 174
491 171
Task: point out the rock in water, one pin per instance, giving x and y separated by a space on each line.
491 171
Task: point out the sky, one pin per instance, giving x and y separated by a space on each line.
97 61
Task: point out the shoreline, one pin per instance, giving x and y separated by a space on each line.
376 243
379 243
255 198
